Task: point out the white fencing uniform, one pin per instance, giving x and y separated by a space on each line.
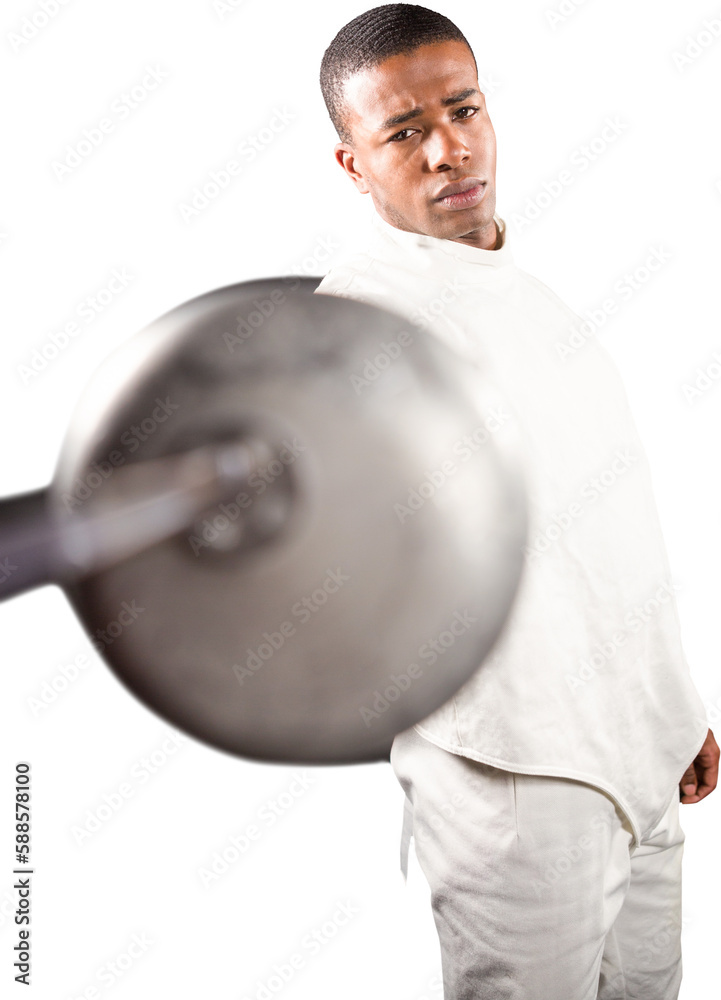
536 889
588 680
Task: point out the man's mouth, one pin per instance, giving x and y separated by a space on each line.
462 194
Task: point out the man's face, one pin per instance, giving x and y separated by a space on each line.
419 124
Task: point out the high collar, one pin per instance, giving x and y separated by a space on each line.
449 251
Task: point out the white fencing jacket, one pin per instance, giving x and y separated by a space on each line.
588 679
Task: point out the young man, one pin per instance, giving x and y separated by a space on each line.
544 796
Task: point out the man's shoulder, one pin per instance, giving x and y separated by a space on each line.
366 277
347 272
545 291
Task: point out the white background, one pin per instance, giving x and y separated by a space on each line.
550 87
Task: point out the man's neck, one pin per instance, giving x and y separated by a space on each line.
488 238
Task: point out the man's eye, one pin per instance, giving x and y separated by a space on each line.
397 136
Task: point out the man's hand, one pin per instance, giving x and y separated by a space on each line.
701 776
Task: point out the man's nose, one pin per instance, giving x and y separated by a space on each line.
446 147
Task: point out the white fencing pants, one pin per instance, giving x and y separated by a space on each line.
536 891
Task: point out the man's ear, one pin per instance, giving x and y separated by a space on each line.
346 157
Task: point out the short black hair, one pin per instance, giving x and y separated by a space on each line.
371 38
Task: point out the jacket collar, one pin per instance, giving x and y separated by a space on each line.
446 251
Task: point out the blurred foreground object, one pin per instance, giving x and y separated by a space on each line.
285 521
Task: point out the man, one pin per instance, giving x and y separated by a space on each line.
543 798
